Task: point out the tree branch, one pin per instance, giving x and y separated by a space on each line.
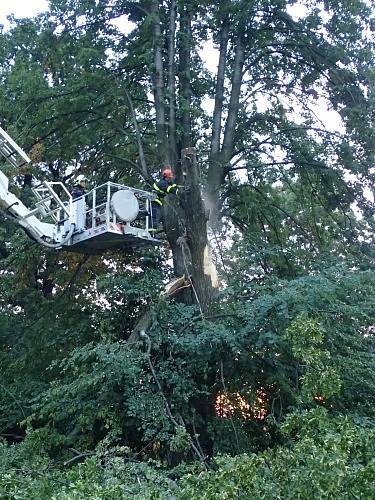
142 159
185 37
219 93
158 86
172 82
237 74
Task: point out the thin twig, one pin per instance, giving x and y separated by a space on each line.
81 455
144 336
230 416
196 434
14 399
66 289
141 153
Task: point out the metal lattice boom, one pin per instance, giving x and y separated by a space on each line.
11 151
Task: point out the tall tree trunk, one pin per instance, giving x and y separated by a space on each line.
203 277
158 87
172 83
185 220
219 93
185 41
220 159
216 168
234 103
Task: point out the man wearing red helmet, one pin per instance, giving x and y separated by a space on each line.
164 186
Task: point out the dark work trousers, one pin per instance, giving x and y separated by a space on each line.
156 215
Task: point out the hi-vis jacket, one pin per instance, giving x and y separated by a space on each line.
162 188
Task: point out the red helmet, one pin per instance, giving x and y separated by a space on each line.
167 173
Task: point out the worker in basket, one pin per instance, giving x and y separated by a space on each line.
79 187
161 188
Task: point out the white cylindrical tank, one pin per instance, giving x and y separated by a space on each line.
125 205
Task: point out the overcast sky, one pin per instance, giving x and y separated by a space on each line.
29 8
21 8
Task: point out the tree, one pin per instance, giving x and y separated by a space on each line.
85 95
263 51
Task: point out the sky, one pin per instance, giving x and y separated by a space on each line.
29 8
21 8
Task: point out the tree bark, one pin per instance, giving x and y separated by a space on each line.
185 40
142 158
196 217
158 88
219 93
220 159
234 103
172 83
185 219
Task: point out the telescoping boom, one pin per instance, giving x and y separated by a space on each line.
109 216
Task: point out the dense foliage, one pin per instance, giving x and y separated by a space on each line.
268 391
331 458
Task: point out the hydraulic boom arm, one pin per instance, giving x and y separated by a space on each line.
98 220
12 207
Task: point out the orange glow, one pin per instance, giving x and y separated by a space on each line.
319 398
227 405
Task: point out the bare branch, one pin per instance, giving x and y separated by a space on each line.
158 86
230 125
141 153
230 416
219 94
184 73
172 82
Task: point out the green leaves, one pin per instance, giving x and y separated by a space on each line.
329 458
181 441
320 380
292 327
